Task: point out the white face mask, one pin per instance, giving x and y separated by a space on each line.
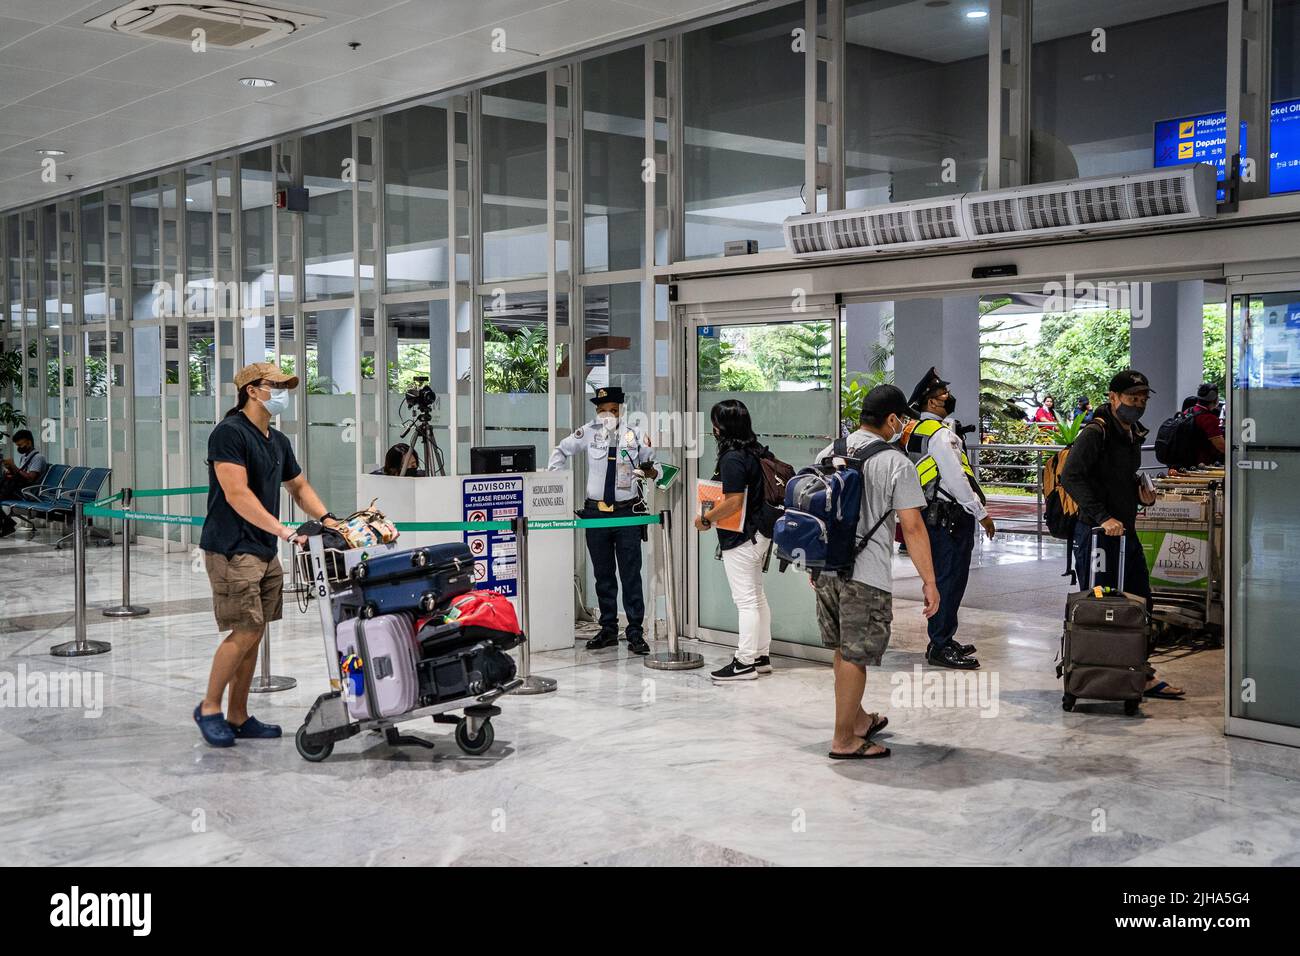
609 420
893 439
278 402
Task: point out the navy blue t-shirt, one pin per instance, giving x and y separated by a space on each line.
269 460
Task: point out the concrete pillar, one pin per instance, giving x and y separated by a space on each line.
1167 344
944 333
863 330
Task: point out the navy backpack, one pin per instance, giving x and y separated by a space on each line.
818 530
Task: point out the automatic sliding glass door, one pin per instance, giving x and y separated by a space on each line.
1264 542
784 373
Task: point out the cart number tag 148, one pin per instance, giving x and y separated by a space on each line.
321 589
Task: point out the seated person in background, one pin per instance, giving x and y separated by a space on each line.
1045 416
1083 407
393 463
22 470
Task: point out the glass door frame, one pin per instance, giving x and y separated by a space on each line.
722 314
1245 283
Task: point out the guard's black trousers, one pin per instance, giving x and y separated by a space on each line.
610 548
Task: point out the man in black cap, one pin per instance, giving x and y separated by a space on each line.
954 503
1102 475
617 453
855 612
1210 441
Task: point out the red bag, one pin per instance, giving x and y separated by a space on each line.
485 609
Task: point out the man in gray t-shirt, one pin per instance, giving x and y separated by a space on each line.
21 471
854 613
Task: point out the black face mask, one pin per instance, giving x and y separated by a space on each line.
950 404
1129 414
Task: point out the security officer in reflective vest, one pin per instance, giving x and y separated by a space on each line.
955 504
616 454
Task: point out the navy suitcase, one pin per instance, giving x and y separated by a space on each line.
417 580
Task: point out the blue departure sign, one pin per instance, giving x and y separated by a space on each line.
1201 139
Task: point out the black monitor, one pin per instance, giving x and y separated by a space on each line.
502 459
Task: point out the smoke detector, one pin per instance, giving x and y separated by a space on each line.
230 25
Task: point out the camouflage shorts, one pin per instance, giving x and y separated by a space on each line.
854 618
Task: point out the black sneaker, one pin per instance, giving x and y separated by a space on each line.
763 664
950 656
735 671
602 641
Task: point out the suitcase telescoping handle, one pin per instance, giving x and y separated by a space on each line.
1092 559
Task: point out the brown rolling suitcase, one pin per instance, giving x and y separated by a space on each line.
1104 644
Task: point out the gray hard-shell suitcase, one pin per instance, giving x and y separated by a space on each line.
1104 644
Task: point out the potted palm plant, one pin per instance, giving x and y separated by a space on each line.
11 383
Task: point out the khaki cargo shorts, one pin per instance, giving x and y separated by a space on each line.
854 618
247 592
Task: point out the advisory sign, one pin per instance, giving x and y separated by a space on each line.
496 553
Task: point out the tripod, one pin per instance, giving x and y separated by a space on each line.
422 425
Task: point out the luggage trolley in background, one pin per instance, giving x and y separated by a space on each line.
1182 541
341 604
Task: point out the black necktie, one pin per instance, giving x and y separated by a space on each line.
611 470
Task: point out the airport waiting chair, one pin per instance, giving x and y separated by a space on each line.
93 487
48 485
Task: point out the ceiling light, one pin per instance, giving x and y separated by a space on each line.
257 82
51 152
976 14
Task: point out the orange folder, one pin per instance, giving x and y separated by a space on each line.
707 495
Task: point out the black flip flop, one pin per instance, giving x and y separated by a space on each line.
1158 693
860 753
876 728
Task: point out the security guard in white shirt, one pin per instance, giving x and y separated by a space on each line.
616 454
956 503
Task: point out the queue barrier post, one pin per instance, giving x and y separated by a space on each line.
532 683
674 659
126 608
265 682
80 647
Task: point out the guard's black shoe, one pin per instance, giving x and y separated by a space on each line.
966 649
602 641
637 645
950 656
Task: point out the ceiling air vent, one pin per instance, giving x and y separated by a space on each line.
1077 207
232 25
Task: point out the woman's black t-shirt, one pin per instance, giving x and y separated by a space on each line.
739 470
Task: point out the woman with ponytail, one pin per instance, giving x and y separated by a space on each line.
744 552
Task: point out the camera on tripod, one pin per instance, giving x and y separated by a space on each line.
420 397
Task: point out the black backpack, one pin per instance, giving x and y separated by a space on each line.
1178 439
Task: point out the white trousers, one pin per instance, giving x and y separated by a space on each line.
744 566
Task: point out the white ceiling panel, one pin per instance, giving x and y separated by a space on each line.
80 49
84 94
51 11
35 122
129 105
12 29
15 83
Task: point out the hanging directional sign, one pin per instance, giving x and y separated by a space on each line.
1256 464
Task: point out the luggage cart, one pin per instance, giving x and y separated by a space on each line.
1193 507
328 721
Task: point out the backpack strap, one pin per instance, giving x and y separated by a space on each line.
841 447
871 451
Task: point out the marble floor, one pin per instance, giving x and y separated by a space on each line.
624 765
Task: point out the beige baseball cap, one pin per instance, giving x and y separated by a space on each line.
265 371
